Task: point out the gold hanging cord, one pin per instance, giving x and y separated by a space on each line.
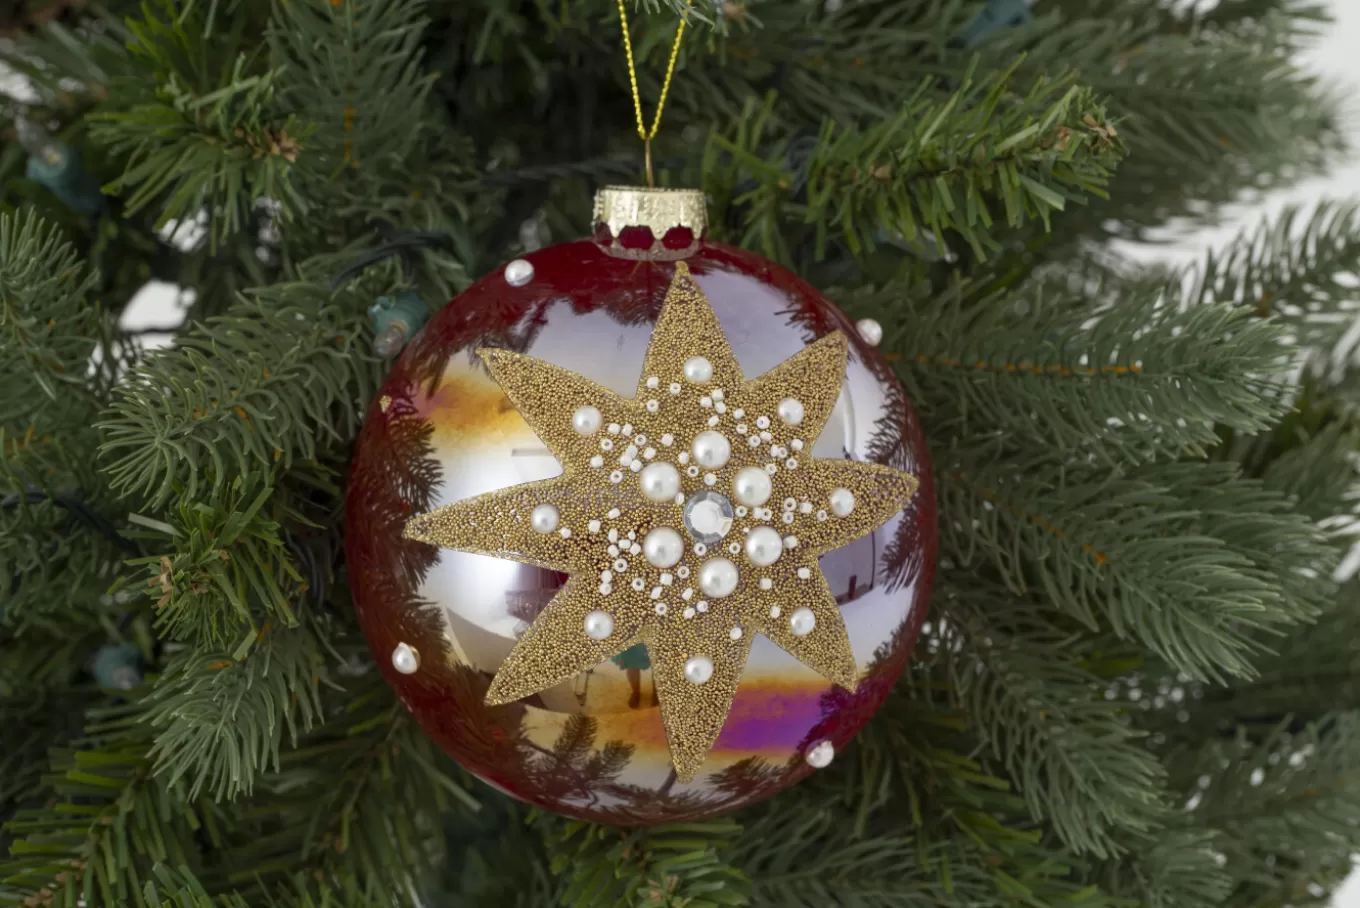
643 133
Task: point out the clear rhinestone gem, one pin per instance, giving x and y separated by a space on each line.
708 516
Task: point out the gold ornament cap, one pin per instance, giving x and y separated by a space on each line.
675 218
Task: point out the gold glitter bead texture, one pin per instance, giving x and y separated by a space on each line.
604 517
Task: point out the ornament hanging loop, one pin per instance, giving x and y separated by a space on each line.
645 134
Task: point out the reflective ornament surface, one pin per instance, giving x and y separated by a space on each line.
442 430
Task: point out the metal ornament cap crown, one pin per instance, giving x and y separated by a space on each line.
653 225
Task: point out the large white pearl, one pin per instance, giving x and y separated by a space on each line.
405 659
599 625
659 481
791 411
698 669
820 757
518 273
698 370
842 502
718 578
663 547
544 518
752 486
712 449
802 621
764 546
587 420
870 330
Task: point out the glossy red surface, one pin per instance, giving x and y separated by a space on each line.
441 430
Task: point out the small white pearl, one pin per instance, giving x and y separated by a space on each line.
663 547
791 411
718 577
735 633
698 669
712 450
802 621
775 611
587 421
599 625
518 273
659 481
405 659
870 330
752 486
544 518
764 546
698 370
842 502
820 757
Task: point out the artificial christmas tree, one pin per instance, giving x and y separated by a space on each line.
1136 684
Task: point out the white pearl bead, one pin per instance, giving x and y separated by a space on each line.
544 518
659 481
405 659
718 578
698 669
791 411
802 621
518 273
842 502
820 757
663 547
587 420
752 486
870 330
712 449
599 625
698 370
764 546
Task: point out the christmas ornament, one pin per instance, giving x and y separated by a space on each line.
395 320
641 528
996 16
57 166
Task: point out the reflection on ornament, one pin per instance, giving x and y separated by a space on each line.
687 343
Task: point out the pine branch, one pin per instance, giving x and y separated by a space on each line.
680 864
1301 266
1283 807
986 154
220 721
282 376
1191 560
48 330
1129 380
104 826
228 574
196 138
354 72
1033 694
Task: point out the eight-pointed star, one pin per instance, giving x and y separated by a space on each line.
592 521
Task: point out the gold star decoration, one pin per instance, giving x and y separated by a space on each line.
689 518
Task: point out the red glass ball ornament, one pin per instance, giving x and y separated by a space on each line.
440 622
